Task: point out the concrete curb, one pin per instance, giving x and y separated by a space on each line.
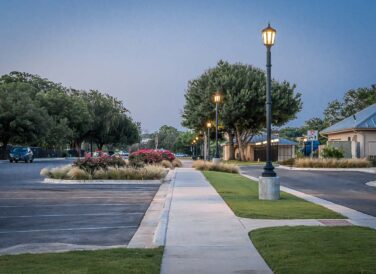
102 182
52 248
355 217
152 230
365 169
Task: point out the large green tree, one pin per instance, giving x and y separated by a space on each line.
21 119
242 112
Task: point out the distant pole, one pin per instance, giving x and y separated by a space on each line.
208 143
216 131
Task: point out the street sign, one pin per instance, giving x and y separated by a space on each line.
312 135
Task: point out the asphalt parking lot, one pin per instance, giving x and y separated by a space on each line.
32 212
347 188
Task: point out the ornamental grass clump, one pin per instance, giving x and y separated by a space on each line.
56 172
209 166
177 163
331 163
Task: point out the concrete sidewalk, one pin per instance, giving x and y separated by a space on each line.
203 234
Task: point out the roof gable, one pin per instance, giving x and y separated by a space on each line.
364 119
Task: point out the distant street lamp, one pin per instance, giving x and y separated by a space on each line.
208 125
269 182
217 99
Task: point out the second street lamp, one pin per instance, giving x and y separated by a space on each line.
208 125
268 182
217 99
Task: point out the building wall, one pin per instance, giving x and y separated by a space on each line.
284 152
366 140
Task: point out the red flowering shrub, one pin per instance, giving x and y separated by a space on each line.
91 164
150 156
167 155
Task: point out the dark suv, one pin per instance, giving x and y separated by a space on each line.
21 154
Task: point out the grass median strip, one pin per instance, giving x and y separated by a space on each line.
317 249
241 194
119 260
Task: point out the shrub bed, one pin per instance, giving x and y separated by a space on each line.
209 166
69 172
327 163
91 164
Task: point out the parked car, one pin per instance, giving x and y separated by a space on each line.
21 154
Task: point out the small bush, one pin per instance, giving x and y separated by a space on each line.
288 162
150 156
166 164
204 165
332 152
177 163
332 163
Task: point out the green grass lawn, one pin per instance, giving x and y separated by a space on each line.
120 260
317 249
241 194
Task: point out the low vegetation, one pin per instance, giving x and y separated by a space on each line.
244 163
120 260
241 194
327 163
206 166
304 249
69 172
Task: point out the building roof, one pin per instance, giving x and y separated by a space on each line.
364 119
262 138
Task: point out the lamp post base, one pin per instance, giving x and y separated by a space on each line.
269 188
216 160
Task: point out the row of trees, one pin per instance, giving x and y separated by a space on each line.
353 101
242 112
168 137
39 112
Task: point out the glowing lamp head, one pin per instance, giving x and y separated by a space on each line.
196 138
217 97
208 124
268 36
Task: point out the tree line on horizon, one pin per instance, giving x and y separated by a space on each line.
35 111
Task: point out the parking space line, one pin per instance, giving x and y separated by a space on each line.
72 215
66 229
56 205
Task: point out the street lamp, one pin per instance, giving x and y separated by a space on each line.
208 125
268 182
217 99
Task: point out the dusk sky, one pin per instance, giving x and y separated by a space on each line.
145 52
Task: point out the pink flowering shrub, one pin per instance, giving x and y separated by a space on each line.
150 156
91 164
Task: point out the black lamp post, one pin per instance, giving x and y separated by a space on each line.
268 36
217 100
208 125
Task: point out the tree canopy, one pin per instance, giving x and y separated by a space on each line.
243 107
36 111
353 101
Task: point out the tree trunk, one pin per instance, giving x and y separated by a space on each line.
231 146
240 144
3 153
78 147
